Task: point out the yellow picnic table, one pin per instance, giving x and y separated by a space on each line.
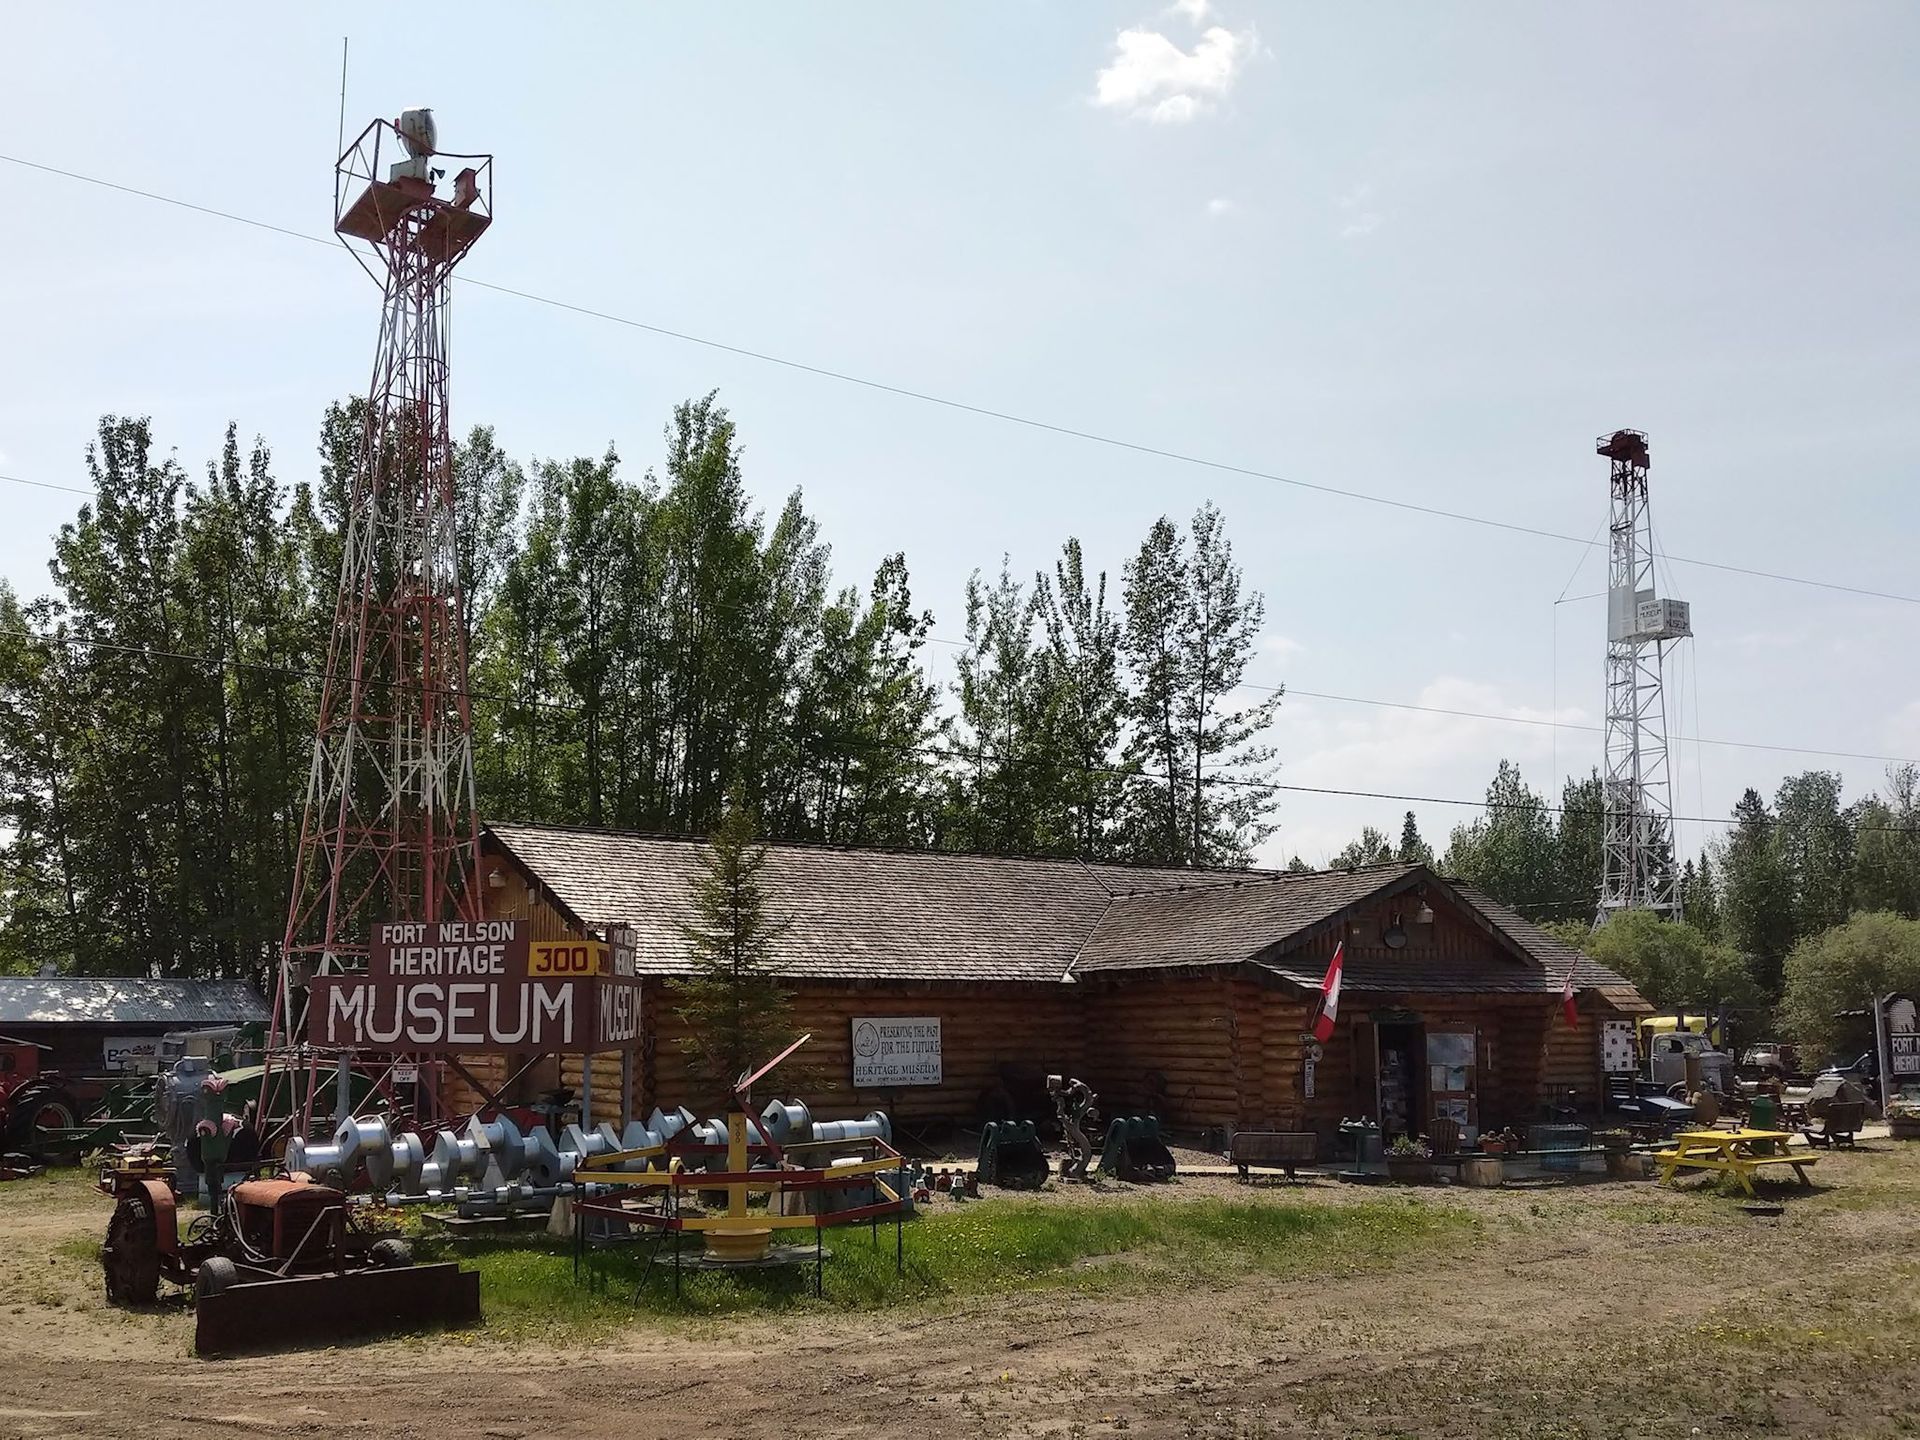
1740 1153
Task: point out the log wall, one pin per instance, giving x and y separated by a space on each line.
1220 1049
997 1045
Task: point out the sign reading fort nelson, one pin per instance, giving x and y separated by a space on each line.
476 985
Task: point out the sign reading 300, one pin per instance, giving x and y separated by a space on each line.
569 958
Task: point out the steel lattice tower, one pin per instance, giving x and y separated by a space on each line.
389 829
1638 870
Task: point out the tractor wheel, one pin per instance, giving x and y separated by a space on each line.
390 1254
131 1256
37 1112
216 1273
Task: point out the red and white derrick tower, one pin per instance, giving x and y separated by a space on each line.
389 830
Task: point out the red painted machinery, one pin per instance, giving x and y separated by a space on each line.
32 1101
279 1261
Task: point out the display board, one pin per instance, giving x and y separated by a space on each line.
1617 1055
893 1051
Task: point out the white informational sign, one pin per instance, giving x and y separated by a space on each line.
1616 1048
131 1053
406 1074
894 1050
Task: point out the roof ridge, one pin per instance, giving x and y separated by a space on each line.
838 847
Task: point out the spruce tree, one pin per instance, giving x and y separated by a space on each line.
1414 850
735 1010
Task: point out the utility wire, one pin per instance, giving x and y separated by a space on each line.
958 752
531 703
1536 721
965 407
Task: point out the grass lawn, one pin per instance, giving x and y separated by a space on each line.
986 1249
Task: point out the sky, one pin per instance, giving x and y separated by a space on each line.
1426 253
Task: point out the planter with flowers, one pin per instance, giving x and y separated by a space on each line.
1410 1160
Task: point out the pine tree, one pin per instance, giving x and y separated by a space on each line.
1886 848
1155 584
1413 849
1088 702
1579 846
1509 853
1008 765
1204 797
736 1013
1756 893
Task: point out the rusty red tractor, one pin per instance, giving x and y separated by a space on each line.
34 1103
278 1261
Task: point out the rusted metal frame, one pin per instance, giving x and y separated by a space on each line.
286 1266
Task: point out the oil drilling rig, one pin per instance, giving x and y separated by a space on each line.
1638 871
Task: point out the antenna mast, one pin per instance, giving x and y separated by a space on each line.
1638 870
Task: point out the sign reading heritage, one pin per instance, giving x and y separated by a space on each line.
893 1050
453 949
476 985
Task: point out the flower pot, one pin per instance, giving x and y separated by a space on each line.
1409 1170
1904 1127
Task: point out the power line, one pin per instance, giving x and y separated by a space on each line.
965 407
1366 700
938 753
47 485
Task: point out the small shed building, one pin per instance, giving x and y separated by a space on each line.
1190 994
100 1025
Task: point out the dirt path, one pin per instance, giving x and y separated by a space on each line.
1561 1318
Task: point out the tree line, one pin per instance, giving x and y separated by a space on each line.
642 647
1803 908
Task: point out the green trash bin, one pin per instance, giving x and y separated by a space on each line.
1763 1113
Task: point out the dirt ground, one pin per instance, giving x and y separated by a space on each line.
1590 1310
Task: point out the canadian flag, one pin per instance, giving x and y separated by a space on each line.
1330 995
1567 1007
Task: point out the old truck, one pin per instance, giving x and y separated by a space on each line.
1667 1056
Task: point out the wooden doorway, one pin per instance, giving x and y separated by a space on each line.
1400 1077
1453 1076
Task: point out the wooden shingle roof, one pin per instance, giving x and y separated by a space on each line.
851 914
936 916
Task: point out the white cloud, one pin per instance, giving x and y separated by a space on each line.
1360 218
1152 77
1283 646
1195 10
1220 205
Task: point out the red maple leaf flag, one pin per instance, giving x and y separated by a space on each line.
1571 1010
1330 995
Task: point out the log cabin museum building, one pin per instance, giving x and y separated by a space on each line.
944 987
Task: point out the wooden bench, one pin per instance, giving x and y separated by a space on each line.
1284 1150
